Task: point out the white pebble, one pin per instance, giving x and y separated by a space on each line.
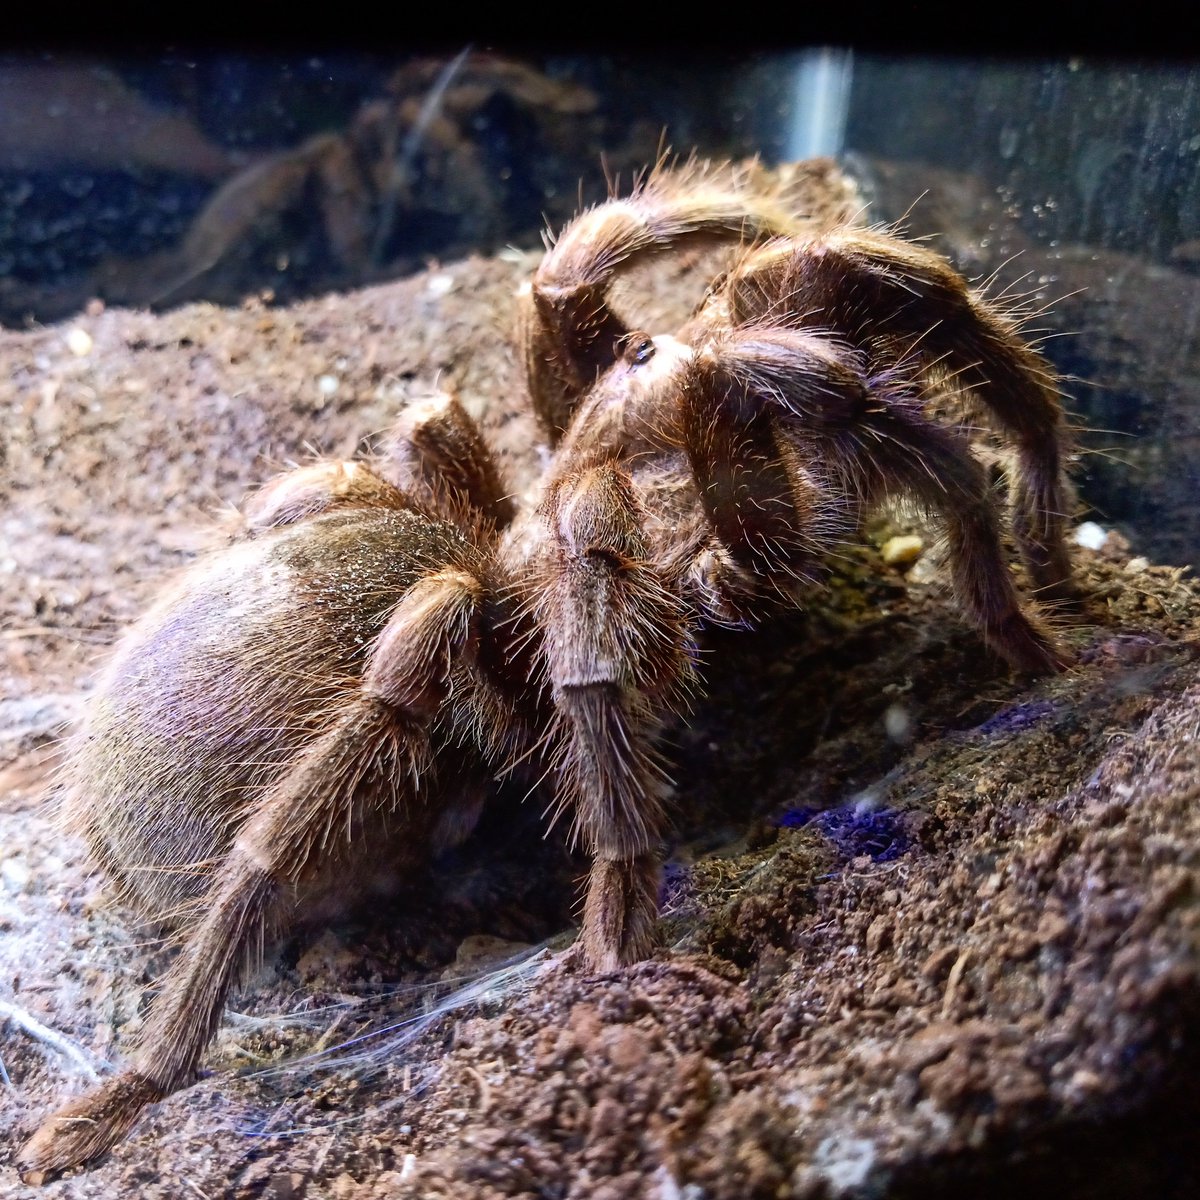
1090 535
15 873
79 342
328 384
440 285
846 1162
898 722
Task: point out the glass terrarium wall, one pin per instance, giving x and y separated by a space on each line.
157 180
1077 184
1072 184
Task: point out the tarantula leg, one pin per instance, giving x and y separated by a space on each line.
919 312
373 757
313 489
436 453
873 440
771 512
936 465
617 652
434 456
570 333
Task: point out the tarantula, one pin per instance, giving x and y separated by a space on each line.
331 692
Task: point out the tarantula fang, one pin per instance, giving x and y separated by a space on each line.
328 696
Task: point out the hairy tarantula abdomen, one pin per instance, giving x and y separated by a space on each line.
218 688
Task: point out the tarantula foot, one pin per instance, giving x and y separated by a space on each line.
1028 648
86 1128
619 915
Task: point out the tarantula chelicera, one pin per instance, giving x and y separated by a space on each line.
336 686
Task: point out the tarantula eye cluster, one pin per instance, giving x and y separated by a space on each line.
638 349
805 391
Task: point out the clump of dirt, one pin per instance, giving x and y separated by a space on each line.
926 926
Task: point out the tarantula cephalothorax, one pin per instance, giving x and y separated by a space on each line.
288 707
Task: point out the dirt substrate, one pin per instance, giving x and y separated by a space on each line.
928 927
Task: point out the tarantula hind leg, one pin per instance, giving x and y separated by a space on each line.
434 455
316 488
617 649
370 760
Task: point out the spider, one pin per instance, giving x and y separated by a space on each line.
331 692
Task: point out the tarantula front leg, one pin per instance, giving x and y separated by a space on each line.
571 333
910 311
617 652
375 757
796 410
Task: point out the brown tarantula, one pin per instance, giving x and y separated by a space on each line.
331 692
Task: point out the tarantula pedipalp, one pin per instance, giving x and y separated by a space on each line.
335 687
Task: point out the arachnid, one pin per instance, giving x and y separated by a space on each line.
334 689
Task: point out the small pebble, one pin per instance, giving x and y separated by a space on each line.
79 342
440 285
1135 566
1090 535
15 873
902 551
898 722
